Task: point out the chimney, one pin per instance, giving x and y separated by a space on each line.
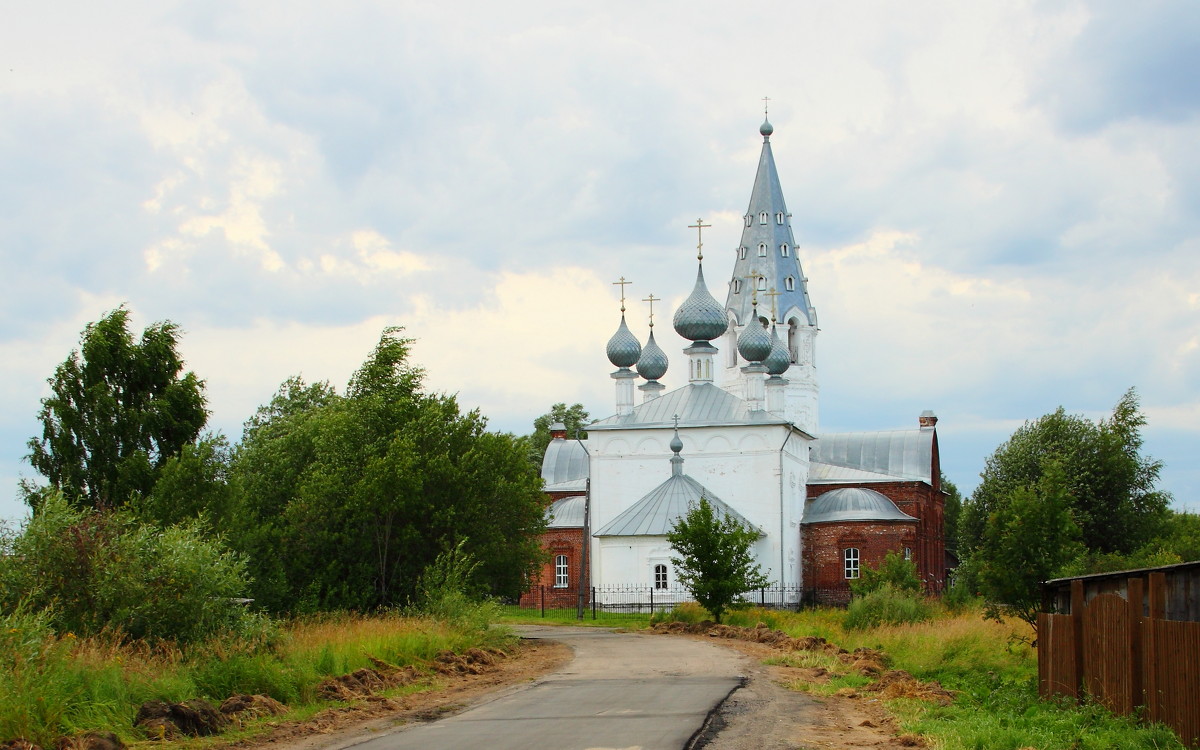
558 431
928 419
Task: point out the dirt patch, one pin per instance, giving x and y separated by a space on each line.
167 721
460 680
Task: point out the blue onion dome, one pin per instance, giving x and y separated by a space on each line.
652 365
700 317
766 128
623 348
676 443
755 343
778 361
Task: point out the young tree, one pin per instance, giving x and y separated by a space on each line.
1028 540
951 511
119 409
715 562
575 417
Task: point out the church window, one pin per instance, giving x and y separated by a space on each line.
762 218
762 250
851 558
908 553
561 572
660 576
784 250
747 219
762 283
742 253
790 283
737 286
794 340
779 218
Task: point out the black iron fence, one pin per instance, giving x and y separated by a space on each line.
618 600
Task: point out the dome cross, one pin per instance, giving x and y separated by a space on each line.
622 283
652 299
699 226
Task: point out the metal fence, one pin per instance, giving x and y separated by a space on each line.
619 600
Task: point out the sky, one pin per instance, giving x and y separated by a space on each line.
997 204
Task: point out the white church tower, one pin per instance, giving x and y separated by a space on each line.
767 270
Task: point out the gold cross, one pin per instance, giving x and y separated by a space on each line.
699 226
765 100
652 299
753 278
772 294
622 284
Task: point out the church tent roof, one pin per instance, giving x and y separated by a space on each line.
656 513
697 404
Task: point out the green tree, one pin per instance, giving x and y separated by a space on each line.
894 572
1030 539
342 501
92 570
575 417
193 485
951 511
119 409
715 562
1111 485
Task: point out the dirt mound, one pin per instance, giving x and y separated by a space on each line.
866 661
474 661
900 684
366 683
241 708
18 744
90 741
194 718
760 633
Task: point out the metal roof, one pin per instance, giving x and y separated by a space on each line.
565 461
900 454
697 404
775 267
853 504
656 513
566 513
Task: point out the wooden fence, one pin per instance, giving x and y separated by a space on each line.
1121 652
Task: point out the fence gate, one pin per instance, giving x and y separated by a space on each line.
1108 652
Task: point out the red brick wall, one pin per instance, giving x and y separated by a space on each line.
926 504
824 547
556 542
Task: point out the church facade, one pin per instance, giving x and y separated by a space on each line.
743 433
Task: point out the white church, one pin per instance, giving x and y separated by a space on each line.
744 433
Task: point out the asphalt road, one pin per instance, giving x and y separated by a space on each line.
622 690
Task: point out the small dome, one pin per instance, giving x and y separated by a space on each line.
623 348
778 361
766 128
700 317
566 513
755 343
676 444
652 365
853 504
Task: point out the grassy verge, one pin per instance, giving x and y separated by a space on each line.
989 666
53 685
514 615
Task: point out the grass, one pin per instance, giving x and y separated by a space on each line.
52 685
989 665
515 615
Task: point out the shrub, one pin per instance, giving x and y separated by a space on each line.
95 571
689 612
894 572
886 606
445 592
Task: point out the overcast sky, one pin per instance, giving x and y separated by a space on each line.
997 204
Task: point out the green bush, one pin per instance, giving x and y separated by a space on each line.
445 592
94 571
894 572
688 612
886 606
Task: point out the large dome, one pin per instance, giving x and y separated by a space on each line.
853 504
755 343
700 317
652 365
623 348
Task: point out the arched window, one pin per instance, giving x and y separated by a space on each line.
561 572
762 250
794 340
779 218
762 218
737 286
908 553
748 220
762 283
784 250
742 253
850 556
660 576
790 283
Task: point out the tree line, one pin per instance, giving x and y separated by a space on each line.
329 501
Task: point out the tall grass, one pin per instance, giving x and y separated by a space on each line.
51 684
